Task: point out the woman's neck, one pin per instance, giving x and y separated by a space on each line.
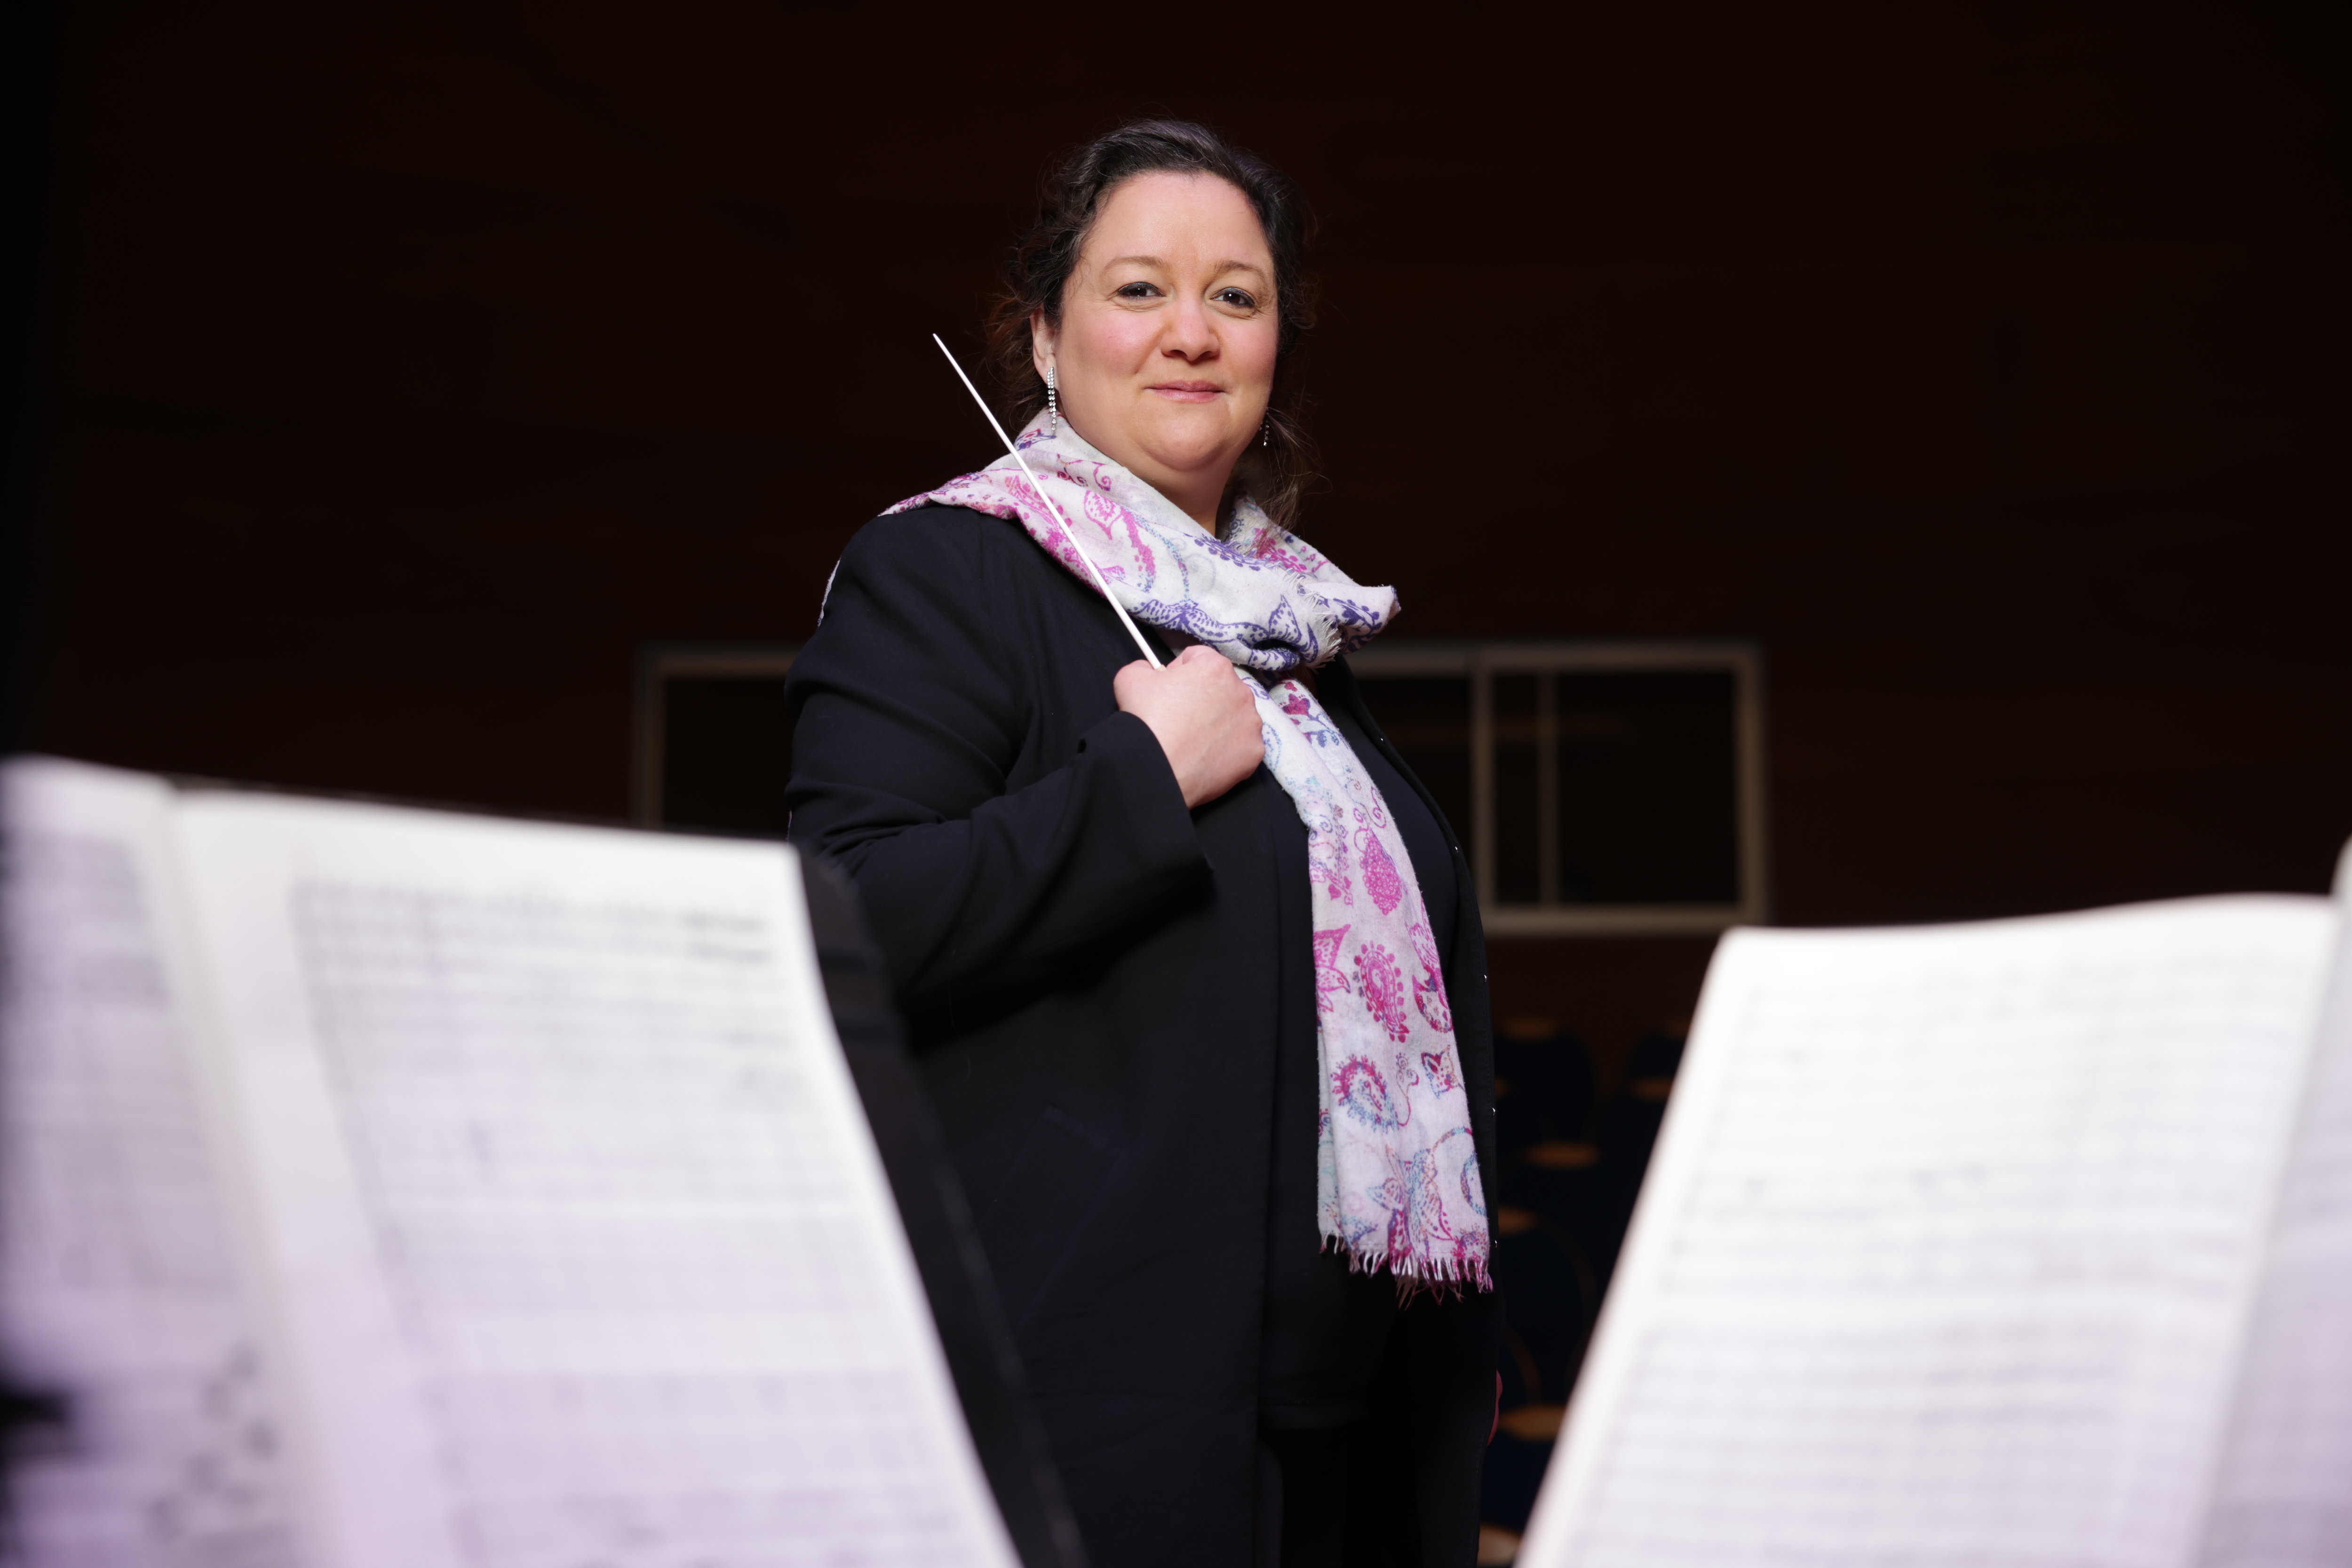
1205 508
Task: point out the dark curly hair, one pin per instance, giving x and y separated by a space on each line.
1070 198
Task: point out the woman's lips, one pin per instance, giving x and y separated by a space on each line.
1185 391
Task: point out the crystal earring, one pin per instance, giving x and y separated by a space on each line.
1052 405
1266 431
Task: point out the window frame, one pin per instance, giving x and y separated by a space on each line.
657 663
1480 661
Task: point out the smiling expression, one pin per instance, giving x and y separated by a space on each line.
1166 347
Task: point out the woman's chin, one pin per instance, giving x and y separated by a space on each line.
1191 451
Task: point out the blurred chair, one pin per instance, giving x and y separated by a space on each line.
1543 1130
1544 1076
1626 1132
1551 1293
1572 1170
1506 1491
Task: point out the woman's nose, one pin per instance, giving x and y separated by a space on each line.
1190 335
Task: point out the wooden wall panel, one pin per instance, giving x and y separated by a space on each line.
416 363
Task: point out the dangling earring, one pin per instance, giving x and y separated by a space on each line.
1266 431
1052 405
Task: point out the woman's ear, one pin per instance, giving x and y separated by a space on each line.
1041 342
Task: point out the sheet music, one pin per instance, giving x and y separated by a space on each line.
1948 1248
2285 1495
585 1251
122 1292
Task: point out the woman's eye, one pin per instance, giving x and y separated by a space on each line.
1239 299
1135 292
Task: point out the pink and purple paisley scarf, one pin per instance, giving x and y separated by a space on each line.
1397 1180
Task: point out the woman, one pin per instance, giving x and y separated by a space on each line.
1193 961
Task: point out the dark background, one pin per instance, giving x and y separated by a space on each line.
400 369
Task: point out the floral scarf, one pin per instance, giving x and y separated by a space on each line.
1397 1173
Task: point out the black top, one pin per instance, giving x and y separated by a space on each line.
1095 980
1327 1326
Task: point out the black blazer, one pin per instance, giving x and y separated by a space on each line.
1092 976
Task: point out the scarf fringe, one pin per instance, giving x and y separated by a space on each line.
1447 1279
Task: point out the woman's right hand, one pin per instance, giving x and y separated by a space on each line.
1202 716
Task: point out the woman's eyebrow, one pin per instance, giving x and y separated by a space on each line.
1159 261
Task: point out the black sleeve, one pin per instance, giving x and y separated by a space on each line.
910 708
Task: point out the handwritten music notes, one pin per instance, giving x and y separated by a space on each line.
123 1296
1950 1246
402 1189
2285 1500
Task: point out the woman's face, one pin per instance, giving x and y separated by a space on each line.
1165 352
